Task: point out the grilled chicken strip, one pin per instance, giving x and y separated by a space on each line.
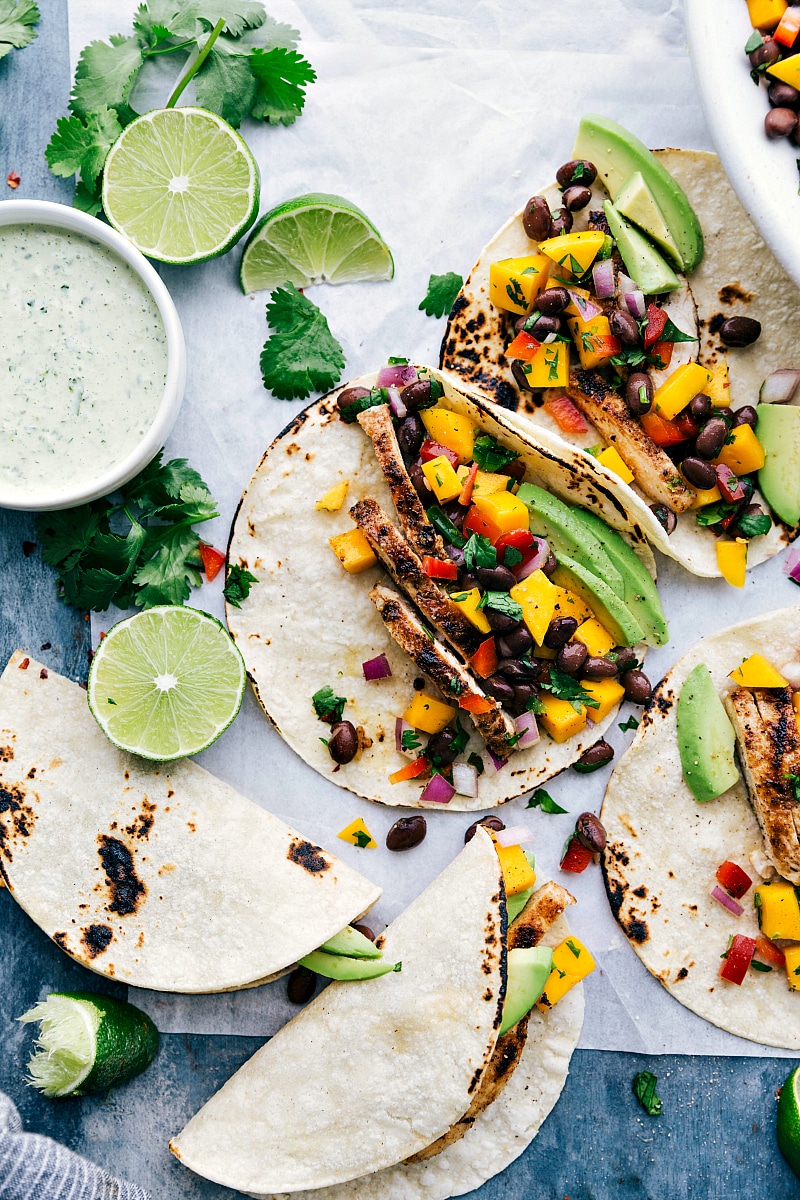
442 667
405 568
768 743
377 424
656 473
541 910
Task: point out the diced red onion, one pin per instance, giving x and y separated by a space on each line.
525 724
587 308
727 901
603 277
400 727
377 668
397 375
794 574
536 563
634 302
456 554
551 337
497 763
792 558
625 284
396 404
437 791
517 835
780 388
465 779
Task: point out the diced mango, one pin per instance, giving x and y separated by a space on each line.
732 561
560 719
778 910
742 451
357 834
486 482
755 671
705 496
544 652
353 551
549 366
718 388
572 962
595 637
333 500
675 392
787 70
590 337
607 692
428 714
796 707
442 479
568 604
518 874
765 15
792 954
504 510
538 597
575 251
579 298
514 283
469 607
610 457
452 430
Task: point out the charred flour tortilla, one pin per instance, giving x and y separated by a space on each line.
371 1073
664 849
158 877
307 623
738 275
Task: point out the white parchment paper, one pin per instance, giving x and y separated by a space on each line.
438 121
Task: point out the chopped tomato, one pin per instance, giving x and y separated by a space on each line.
523 347
769 951
656 320
730 485
576 857
566 415
411 770
475 704
476 522
484 660
436 568
213 561
734 879
662 431
738 958
430 450
788 27
664 352
469 486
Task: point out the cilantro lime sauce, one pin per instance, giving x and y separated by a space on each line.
83 359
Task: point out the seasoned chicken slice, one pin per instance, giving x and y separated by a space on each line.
532 924
405 568
442 667
377 424
656 473
768 742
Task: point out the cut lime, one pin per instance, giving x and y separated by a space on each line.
314 239
789 1121
181 185
88 1043
166 683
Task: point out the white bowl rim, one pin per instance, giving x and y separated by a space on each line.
47 213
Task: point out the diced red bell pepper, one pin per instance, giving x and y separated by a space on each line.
739 956
484 660
523 347
476 522
566 415
469 486
411 770
662 431
430 450
515 469
213 561
730 485
437 568
606 346
788 27
520 539
687 426
656 320
576 857
664 351
475 704
734 879
769 951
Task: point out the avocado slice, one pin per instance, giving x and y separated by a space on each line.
646 267
528 971
706 738
515 904
617 154
336 966
352 944
641 594
779 479
551 518
637 202
609 609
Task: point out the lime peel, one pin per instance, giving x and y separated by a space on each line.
789 1121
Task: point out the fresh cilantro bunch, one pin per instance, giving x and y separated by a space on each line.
302 355
17 19
250 68
142 550
441 295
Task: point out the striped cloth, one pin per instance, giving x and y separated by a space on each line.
36 1168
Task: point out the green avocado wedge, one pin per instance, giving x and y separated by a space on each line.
706 739
528 972
645 265
551 518
606 605
337 966
640 594
779 478
352 944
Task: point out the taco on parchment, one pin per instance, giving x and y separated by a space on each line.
444 610
664 311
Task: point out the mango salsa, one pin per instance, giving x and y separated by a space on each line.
357 834
765 15
504 510
611 458
469 607
514 283
518 874
450 429
593 340
538 597
778 910
560 719
787 70
572 962
742 451
486 482
719 387
568 604
595 637
353 551
732 561
796 707
442 479
675 392
755 671
428 714
607 692
333 499
549 366
792 954
575 251
705 496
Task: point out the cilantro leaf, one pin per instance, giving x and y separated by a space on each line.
753 42
566 688
753 524
502 602
490 455
476 761
543 800
644 1089
327 705
82 146
225 84
172 570
361 839
631 723
512 557
441 294
239 14
87 199
105 74
281 78
671 333
410 740
479 552
712 514
17 18
237 585
794 781
302 355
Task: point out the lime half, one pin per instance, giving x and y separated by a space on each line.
181 185
166 683
789 1121
88 1043
314 239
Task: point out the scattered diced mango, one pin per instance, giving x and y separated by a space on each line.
705 496
486 482
504 510
765 15
353 551
568 604
575 251
787 70
792 954
450 429
796 707
518 874
579 298
428 714
595 637
560 719
515 283
675 392
718 388
778 910
357 834
442 479
572 962
546 652
755 671
608 693
333 500
549 366
742 451
610 457
732 561
469 607
593 340
538 597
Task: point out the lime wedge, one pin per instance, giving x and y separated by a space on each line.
181 185
789 1121
166 683
88 1043
314 239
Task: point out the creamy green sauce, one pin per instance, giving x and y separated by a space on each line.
83 359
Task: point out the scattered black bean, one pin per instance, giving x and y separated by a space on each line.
536 219
577 170
419 483
301 985
441 750
740 331
749 510
698 472
349 396
570 658
639 393
407 833
490 822
637 687
543 326
576 197
627 658
746 415
766 54
710 439
523 694
624 326
780 122
410 435
511 645
365 931
559 632
551 301
417 394
590 832
598 667
513 669
456 512
699 408
520 378
597 755
499 688
783 95
496 579
343 743
665 516
562 222
549 566
499 622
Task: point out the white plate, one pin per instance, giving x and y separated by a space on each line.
763 173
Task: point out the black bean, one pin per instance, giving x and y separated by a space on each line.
490 822
410 435
637 687
536 219
559 632
698 472
517 642
665 516
407 833
590 832
550 565
349 396
455 511
780 123
746 415
627 658
542 326
597 755
343 743
576 197
523 694
598 667
740 331
496 579
498 687
783 95
499 622
570 658
562 222
639 393
748 487
466 581
520 378
699 408
551 301
766 54
419 483
710 439
513 669
441 750
417 394
577 170
624 326
301 985
365 930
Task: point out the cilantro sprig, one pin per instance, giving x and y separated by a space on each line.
238 584
490 455
564 687
327 705
301 355
543 800
441 294
644 1089
17 19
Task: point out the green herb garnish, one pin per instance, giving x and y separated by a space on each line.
644 1089
476 761
409 740
712 514
443 525
515 294
361 839
441 295
543 800
631 723
301 356
671 333
17 19
490 455
564 687
327 705
754 524
501 602
479 552
794 782
237 585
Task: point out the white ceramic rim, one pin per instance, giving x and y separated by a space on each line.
763 173
45 212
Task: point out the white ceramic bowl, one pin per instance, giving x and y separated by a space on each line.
762 172
43 212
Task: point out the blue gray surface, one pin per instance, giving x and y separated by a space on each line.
716 1137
